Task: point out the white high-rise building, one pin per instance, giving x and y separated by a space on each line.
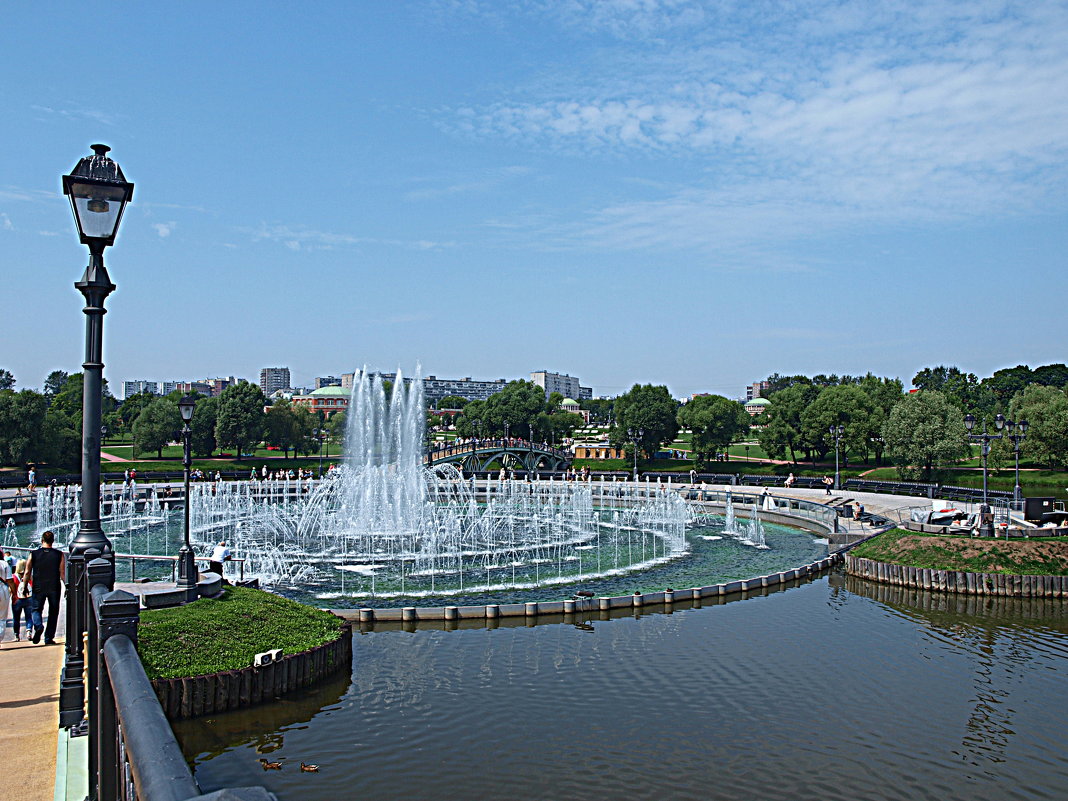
273 379
565 384
131 388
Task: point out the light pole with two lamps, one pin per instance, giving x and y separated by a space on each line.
187 565
986 520
837 432
635 435
1016 438
98 193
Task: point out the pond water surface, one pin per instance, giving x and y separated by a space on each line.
834 689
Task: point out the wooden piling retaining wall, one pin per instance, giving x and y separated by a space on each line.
194 696
997 584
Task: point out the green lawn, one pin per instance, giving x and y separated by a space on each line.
224 633
1036 556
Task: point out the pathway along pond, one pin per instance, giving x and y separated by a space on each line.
835 689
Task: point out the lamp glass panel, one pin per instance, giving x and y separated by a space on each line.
97 208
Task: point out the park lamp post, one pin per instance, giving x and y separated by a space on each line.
635 435
1012 426
187 566
986 521
98 193
837 432
320 435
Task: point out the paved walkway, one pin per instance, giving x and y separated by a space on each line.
29 709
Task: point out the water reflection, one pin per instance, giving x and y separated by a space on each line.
835 689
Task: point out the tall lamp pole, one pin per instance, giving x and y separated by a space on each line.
187 566
98 193
322 436
635 435
837 432
986 521
1011 425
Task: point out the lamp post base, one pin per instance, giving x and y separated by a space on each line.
187 573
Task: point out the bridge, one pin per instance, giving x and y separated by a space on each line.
476 456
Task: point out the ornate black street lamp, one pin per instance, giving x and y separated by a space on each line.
98 193
986 520
837 432
1011 425
320 435
187 566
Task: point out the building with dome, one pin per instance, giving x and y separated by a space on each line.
328 400
757 406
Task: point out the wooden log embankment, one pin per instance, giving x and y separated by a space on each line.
922 578
194 696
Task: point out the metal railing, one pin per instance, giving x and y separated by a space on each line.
133 753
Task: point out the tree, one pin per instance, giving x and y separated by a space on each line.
7 380
846 405
962 389
600 409
55 382
156 426
513 408
22 417
1046 411
202 427
885 393
240 420
923 433
69 398
61 444
715 421
452 402
130 408
647 409
288 428
472 421
777 383
336 427
783 432
1051 375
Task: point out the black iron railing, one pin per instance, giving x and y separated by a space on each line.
133 753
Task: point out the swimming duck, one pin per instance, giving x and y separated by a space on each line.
309 768
270 765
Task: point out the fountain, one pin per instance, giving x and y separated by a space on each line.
383 525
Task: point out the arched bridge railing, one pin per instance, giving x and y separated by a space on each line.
476 455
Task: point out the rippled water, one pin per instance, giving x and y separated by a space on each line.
837 689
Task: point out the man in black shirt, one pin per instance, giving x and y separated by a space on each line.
45 568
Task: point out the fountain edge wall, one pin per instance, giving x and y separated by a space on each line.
959 581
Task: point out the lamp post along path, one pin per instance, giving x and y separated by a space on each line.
187 566
98 193
986 519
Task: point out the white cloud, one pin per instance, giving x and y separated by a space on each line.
5 222
816 115
164 229
301 238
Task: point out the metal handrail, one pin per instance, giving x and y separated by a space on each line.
159 770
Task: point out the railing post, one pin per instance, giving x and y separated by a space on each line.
116 612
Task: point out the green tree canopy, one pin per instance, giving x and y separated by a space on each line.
648 413
202 427
1046 411
130 408
158 424
923 433
513 408
289 428
452 402
55 381
844 404
600 409
715 421
22 416
783 433
7 380
240 420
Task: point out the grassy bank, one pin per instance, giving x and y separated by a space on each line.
1036 556
224 633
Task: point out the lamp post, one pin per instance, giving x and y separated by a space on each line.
98 193
747 453
187 566
321 436
837 432
986 522
1011 425
635 435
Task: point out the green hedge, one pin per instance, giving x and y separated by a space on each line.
1047 556
224 633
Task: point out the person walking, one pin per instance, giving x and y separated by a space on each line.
45 569
23 601
7 592
827 484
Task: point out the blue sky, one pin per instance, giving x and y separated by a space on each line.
696 194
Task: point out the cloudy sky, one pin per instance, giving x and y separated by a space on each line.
698 194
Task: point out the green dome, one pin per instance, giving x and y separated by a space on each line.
568 402
330 392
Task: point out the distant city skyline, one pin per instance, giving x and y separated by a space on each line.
675 192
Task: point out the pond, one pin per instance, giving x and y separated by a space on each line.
834 689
